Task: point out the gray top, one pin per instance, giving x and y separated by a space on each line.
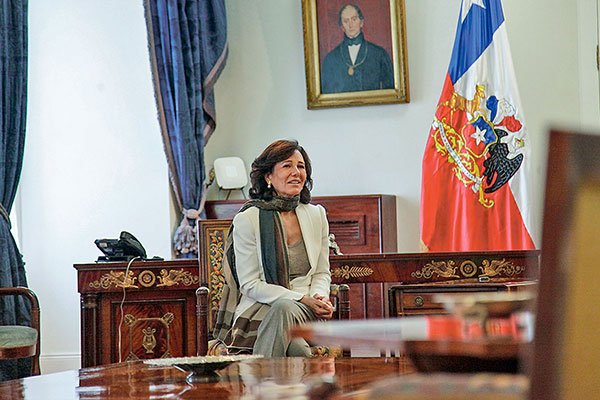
299 264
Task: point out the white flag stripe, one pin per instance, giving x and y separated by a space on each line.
503 84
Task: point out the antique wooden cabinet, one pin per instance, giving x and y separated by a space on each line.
360 223
146 311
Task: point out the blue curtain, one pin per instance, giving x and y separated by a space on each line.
13 107
188 49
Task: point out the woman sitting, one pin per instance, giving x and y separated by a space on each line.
276 263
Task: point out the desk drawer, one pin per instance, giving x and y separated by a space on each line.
416 301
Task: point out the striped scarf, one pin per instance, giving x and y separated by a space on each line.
241 335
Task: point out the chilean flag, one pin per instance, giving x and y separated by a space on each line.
477 159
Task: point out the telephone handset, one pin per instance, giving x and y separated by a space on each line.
123 249
131 246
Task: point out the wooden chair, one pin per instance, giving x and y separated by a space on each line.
566 356
22 341
211 237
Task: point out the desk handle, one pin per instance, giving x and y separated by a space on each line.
419 301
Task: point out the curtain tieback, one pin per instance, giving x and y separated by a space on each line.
185 238
191 213
4 213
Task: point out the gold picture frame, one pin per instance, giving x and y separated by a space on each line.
384 26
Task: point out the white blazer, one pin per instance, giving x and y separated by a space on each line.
248 258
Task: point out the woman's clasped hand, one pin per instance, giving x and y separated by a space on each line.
319 305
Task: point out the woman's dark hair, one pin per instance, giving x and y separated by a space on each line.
277 151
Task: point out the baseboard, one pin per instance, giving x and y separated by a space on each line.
51 363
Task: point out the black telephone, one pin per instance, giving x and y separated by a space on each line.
123 249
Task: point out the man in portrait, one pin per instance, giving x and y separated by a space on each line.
355 64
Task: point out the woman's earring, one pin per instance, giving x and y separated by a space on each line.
269 184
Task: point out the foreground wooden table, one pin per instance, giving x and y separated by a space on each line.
314 378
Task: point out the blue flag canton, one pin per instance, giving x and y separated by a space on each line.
474 34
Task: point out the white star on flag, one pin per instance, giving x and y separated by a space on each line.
466 7
479 136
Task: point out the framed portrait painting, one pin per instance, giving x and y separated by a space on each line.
355 52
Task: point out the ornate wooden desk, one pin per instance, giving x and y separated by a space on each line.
383 271
159 311
156 318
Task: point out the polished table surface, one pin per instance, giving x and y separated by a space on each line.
284 378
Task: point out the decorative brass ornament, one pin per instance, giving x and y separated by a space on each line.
149 341
168 318
147 278
445 269
118 279
500 267
347 272
130 320
174 277
467 269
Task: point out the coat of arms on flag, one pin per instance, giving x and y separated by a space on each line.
476 163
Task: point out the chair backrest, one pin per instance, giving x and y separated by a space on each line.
566 357
212 234
25 350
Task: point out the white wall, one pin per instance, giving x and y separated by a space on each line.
94 163
378 149
589 88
